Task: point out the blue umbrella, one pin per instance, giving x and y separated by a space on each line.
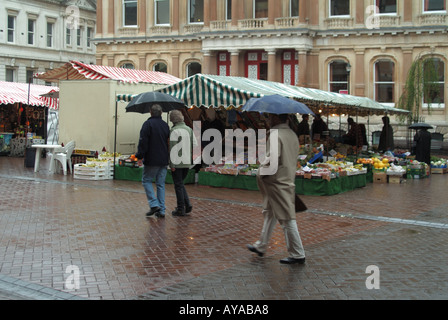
276 104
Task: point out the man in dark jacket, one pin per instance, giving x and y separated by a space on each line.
153 148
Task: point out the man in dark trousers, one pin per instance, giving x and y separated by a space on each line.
153 148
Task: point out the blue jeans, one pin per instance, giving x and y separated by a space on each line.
159 174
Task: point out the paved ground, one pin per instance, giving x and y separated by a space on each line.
55 230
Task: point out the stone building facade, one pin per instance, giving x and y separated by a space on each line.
361 47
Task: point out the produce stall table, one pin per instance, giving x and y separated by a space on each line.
135 174
316 187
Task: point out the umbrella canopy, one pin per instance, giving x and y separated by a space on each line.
276 104
144 101
420 125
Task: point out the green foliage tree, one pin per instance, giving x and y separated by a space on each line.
421 85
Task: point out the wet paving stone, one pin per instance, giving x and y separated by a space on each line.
51 222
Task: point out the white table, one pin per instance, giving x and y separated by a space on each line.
39 148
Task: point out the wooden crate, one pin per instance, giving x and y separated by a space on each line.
379 177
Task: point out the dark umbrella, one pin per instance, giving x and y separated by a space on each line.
420 125
144 101
276 104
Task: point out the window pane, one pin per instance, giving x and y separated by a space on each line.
196 11
30 31
261 9
435 5
384 93
130 12
339 71
9 75
340 7
49 34
387 6
384 71
229 10
11 23
162 12
160 67
294 8
193 68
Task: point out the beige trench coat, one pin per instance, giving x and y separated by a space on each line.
278 190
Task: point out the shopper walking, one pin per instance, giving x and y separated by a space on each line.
153 149
181 159
278 191
387 136
422 141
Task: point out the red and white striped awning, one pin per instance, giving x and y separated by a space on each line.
29 94
75 70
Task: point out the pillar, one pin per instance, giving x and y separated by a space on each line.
272 65
142 17
359 71
110 18
234 63
303 59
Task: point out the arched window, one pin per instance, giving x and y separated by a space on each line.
338 76
435 90
160 67
127 65
384 73
193 68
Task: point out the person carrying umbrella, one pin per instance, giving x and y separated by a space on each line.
153 149
422 141
278 191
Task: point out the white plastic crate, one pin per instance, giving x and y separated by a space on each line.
85 172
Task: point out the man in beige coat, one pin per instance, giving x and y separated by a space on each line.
278 191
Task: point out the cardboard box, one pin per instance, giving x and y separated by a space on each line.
395 179
379 177
437 171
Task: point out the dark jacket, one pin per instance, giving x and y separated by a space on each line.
153 146
423 146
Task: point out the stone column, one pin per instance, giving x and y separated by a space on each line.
111 18
142 61
206 64
237 7
175 65
99 17
360 72
142 16
234 63
175 16
303 59
272 65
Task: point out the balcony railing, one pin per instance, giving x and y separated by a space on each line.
253 24
287 22
128 32
339 23
160 30
193 28
433 19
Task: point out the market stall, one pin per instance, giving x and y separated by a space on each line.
23 115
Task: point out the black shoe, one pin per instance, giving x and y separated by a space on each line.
253 249
188 209
179 212
160 215
153 211
290 260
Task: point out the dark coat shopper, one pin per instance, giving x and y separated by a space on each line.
422 141
153 149
387 136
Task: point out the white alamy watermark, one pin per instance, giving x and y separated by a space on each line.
72 20
373 280
229 149
72 280
373 17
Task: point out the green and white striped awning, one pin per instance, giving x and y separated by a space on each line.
233 92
